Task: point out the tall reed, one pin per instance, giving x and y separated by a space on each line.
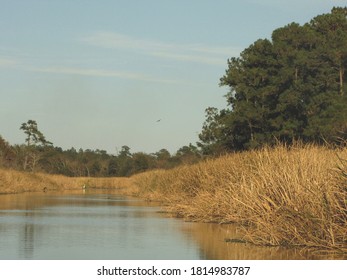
292 196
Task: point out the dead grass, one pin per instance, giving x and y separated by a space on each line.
16 182
280 196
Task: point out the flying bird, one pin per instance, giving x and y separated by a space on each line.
159 120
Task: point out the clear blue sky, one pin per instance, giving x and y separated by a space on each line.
99 74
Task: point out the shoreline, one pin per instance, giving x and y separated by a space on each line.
282 196
278 196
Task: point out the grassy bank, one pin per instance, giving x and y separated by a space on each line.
17 182
283 196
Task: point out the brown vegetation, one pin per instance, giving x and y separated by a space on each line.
279 196
12 181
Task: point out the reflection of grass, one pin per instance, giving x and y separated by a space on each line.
280 196
210 239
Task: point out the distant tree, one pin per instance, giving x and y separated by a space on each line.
36 142
188 154
112 167
141 162
95 169
124 152
125 162
162 159
7 153
163 155
34 136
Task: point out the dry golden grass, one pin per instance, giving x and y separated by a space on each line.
16 182
279 196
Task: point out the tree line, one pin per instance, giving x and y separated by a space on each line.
292 87
40 155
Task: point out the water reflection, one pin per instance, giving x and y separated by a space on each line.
211 239
104 225
88 226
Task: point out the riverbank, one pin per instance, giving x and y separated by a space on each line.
278 196
12 182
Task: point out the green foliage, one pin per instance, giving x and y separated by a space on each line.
292 87
34 136
7 153
212 131
188 154
36 144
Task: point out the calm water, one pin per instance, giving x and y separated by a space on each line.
104 225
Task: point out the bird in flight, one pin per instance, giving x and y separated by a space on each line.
159 120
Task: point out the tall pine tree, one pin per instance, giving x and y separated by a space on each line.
292 87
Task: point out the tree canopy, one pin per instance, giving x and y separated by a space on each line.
34 136
284 89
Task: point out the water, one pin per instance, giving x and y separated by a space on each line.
103 225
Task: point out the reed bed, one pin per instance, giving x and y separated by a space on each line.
288 196
12 181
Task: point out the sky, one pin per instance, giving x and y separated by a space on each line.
101 74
